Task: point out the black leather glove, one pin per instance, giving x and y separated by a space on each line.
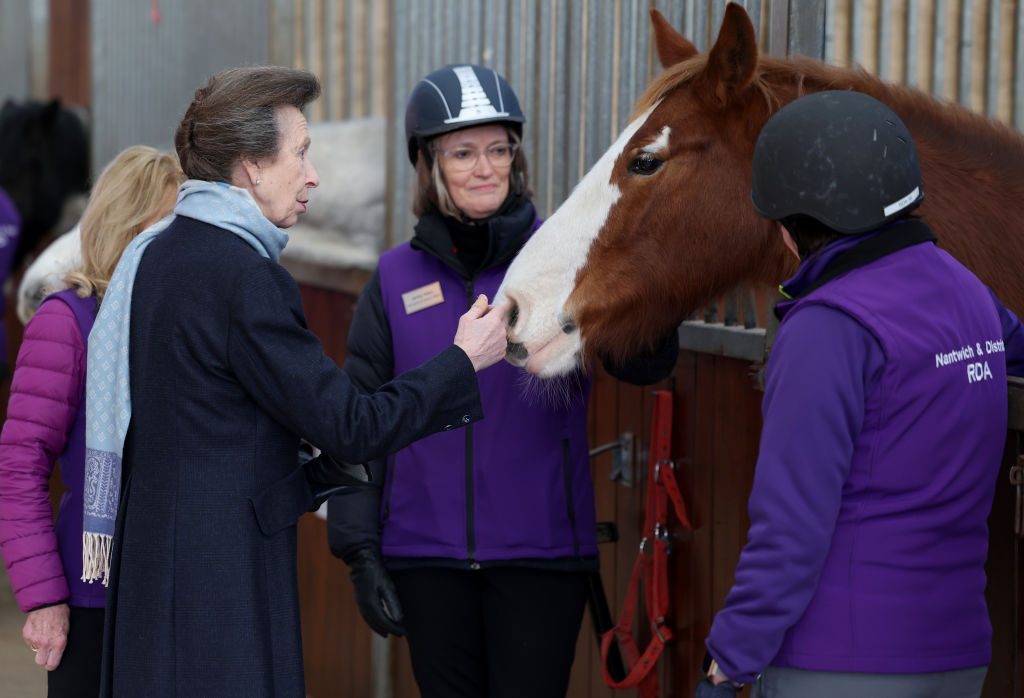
328 476
375 592
706 689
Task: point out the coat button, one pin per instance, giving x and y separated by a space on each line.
448 427
465 419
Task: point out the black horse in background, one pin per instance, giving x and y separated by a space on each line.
44 161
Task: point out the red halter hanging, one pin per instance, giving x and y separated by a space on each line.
651 563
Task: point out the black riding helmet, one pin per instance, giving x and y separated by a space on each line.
842 158
457 97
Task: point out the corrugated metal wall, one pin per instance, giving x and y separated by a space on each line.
146 66
578 65
969 51
15 49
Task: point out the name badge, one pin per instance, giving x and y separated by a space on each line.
423 297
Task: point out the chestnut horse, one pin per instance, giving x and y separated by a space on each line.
663 222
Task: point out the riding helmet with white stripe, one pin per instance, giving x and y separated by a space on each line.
457 97
840 157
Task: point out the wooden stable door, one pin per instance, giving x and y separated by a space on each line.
715 439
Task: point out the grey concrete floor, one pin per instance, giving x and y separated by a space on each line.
19 675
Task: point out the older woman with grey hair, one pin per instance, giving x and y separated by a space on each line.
211 378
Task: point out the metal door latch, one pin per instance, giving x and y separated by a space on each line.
622 458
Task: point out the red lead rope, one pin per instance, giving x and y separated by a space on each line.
651 563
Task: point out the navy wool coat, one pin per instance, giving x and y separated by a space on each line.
225 378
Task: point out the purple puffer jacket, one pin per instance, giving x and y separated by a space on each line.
45 402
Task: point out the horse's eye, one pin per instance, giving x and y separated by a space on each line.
645 164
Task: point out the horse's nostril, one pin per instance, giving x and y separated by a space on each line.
513 314
514 351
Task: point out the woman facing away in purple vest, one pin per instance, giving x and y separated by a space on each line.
884 425
46 423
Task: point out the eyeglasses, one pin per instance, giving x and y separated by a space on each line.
465 159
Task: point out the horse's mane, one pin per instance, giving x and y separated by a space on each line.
966 135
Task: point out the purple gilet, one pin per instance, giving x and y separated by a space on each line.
514 486
885 415
72 472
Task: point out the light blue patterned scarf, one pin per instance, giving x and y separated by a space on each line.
108 406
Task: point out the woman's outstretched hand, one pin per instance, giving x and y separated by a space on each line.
481 333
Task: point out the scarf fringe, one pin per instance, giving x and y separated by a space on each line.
96 557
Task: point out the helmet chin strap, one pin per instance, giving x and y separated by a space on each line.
801 248
424 151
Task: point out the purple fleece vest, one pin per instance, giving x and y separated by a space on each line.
516 484
72 472
903 586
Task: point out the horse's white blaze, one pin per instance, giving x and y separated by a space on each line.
543 274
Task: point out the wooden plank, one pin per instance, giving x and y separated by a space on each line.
1003 592
336 641
688 572
585 679
727 446
704 502
329 315
70 52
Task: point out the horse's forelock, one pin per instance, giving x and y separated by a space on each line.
672 78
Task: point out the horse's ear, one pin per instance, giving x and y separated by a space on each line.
733 58
672 46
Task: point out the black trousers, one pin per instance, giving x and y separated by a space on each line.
78 675
501 632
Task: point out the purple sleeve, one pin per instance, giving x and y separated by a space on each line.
46 391
1013 338
822 367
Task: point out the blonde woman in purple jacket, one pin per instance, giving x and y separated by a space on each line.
45 423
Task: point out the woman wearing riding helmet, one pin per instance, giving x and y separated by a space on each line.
487 533
884 424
